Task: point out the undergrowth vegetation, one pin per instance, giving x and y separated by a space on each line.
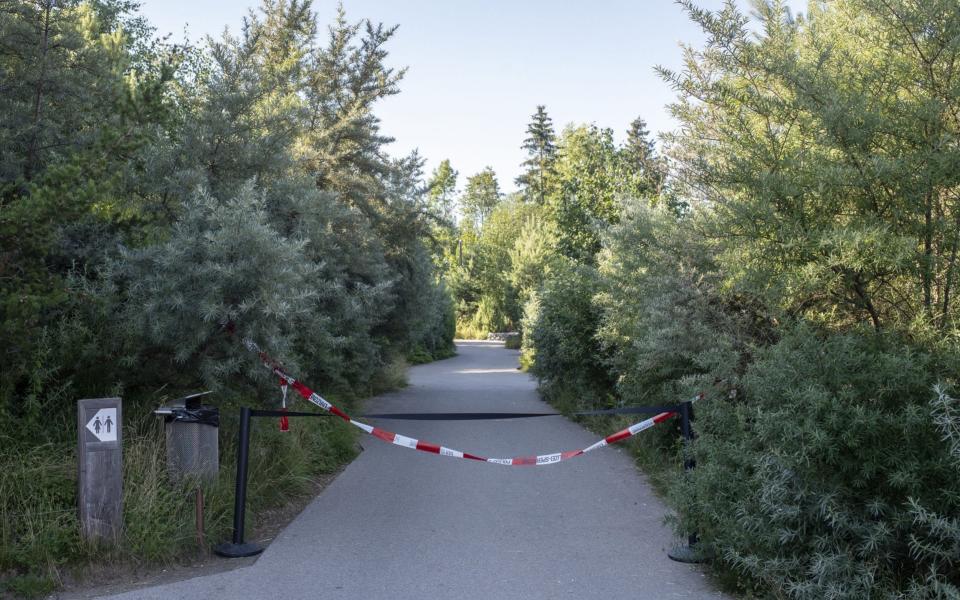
819 321
162 203
40 537
795 259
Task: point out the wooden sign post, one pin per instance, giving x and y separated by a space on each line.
100 460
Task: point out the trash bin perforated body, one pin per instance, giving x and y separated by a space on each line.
192 437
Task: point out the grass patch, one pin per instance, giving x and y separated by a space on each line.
392 376
40 545
28 586
658 452
467 331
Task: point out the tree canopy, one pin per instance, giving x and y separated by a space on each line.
480 196
160 203
541 148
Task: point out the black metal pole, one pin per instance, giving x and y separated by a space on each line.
690 553
686 424
238 548
240 492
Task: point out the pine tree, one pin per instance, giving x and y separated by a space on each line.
82 93
342 143
639 146
63 65
644 168
541 150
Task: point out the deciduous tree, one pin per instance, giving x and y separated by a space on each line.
442 190
480 196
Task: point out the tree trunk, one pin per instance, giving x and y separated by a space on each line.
33 146
948 278
926 271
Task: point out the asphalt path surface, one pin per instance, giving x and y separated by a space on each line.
400 524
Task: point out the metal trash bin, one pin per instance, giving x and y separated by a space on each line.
192 429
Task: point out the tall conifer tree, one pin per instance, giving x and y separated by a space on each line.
541 148
644 168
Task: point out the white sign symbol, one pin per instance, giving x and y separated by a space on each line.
104 425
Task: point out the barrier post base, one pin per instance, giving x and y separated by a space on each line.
230 550
693 554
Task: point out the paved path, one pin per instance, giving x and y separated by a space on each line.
402 524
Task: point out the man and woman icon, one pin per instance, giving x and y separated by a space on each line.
107 425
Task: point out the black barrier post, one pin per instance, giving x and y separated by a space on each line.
238 548
693 552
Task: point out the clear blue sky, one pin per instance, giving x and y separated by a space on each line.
477 69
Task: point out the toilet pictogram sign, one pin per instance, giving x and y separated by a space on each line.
100 468
104 425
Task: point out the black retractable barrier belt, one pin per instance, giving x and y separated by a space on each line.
474 416
630 410
285 413
479 416
462 416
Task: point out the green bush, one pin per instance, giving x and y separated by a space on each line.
467 331
215 282
825 476
570 363
430 319
663 325
823 471
531 314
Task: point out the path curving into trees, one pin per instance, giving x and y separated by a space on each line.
404 524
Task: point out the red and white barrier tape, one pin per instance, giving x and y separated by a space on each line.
408 442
